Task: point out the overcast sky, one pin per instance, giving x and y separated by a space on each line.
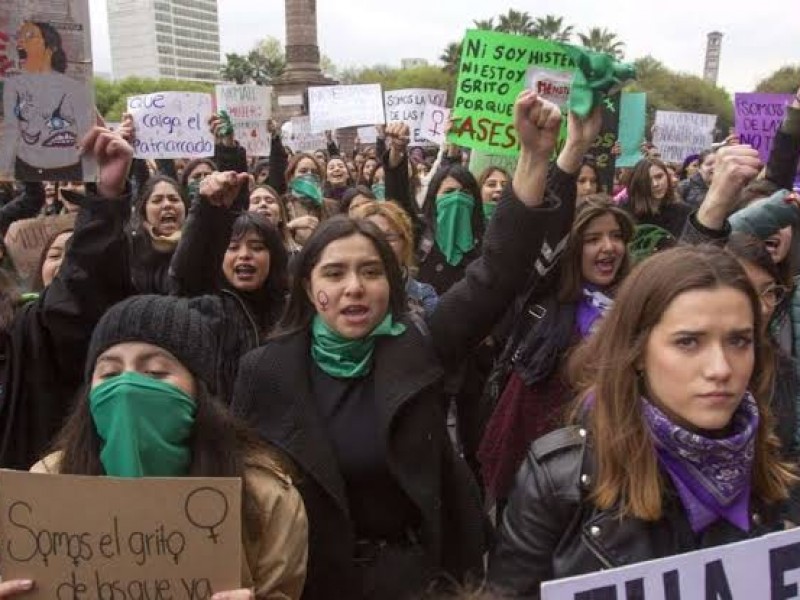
365 32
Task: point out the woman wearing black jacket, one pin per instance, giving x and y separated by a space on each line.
44 343
672 450
238 258
352 390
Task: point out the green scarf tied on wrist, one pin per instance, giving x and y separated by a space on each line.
144 424
307 186
454 225
598 76
344 358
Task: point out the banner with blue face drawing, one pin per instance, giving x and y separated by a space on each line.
46 79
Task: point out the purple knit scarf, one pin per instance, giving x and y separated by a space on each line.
591 307
712 476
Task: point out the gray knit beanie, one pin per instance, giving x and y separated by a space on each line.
164 321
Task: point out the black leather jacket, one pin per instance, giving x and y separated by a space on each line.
551 529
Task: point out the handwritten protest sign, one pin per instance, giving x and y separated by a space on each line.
249 107
409 107
331 107
434 123
679 134
632 119
47 90
491 75
142 538
299 137
172 125
25 240
758 118
766 567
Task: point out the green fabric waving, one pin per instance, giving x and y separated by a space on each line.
307 186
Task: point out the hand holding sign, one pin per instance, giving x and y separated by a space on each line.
114 156
397 135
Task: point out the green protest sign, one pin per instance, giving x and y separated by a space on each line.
493 71
631 128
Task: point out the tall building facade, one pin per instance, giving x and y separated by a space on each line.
176 39
713 53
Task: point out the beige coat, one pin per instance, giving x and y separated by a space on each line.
276 554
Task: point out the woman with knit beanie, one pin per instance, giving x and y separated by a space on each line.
672 449
149 410
351 387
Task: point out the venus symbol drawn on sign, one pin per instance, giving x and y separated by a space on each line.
438 119
206 508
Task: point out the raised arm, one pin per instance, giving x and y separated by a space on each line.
782 164
196 264
230 156
26 206
278 159
528 230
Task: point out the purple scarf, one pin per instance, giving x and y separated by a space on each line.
712 476
592 305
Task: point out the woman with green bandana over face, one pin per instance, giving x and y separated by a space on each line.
150 410
305 198
351 387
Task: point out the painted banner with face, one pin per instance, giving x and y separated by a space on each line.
48 106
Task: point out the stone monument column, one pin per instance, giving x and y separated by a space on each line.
302 60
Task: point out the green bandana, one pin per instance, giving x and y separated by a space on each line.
345 358
598 76
379 189
488 210
144 424
307 186
454 225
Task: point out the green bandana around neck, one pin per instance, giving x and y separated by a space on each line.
307 186
379 189
598 75
144 425
488 211
344 358
454 225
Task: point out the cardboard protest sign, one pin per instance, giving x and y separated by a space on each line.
249 107
758 118
679 134
409 106
172 125
25 240
47 92
765 567
140 538
299 137
600 152
491 75
632 119
335 106
434 122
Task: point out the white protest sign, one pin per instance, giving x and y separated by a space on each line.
249 107
679 134
300 137
367 135
409 106
766 567
172 125
335 106
434 122
554 86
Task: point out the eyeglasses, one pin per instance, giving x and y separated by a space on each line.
773 294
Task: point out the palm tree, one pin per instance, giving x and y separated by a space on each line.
451 57
515 22
603 40
552 28
487 24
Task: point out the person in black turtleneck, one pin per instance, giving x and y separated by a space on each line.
245 298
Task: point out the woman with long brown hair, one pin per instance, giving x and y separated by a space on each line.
672 448
652 199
